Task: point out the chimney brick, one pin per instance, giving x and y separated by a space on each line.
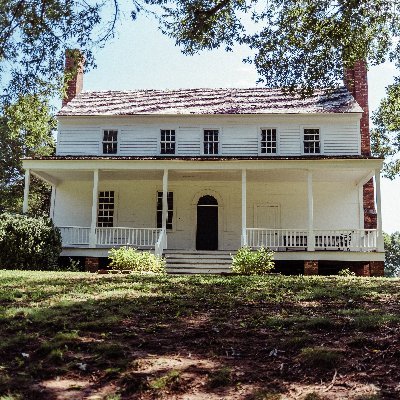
356 82
73 65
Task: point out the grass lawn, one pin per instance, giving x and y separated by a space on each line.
88 336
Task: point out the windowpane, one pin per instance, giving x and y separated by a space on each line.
312 141
105 214
110 141
211 141
268 141
167 141
170 211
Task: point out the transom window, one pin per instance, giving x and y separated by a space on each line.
167 141
211 141
170 212
268 141
110 141
105 214
312 144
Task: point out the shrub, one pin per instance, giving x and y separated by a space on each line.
128 258
259 262
346 272
28 242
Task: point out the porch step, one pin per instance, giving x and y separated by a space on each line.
198 262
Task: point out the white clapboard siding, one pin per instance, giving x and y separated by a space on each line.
239 140
290 140
188 141
341 140
136 140
78 141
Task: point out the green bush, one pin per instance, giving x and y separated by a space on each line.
128 258
346 272
259 262
28 242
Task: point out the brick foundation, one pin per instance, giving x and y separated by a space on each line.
91 264
311 267
377 268
361 269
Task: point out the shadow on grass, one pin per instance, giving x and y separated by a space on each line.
145 335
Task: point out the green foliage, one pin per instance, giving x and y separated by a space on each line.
385 137
320 357
220 377
25 131
168 381
300 45
392 254
346 272
128 258
259 262
28 242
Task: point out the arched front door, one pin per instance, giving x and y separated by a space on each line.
207 223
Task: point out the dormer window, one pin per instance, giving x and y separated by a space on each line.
312 141
167 142
110 141
268 141
211 141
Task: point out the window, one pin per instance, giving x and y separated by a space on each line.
110 141
105 215
167 141
268 141
170 213
211 141
311 141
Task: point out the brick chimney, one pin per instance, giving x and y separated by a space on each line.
74 73
356 82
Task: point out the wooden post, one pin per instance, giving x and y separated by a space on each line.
95 200
165 201
244 208
25 205
310 199
380 244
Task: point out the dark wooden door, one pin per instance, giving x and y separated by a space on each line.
207 224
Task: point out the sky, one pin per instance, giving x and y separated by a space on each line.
141 57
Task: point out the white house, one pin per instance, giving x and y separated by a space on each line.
197 173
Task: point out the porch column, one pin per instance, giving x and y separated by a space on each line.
244 208
380 245
310 199
165 200
95 200
26 190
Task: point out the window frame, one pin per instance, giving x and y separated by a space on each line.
103 129
260 141
114 208
219 130
160 141
159 190
321 147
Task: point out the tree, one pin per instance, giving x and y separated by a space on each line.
25 130
392 254
386 134
296 44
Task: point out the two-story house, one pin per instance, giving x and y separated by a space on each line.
197 173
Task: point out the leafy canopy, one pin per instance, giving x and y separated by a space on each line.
386 134
297 44
392 254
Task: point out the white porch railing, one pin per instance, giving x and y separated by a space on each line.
143 237
75 235
297 239
111 236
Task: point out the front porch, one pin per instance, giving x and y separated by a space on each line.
302 209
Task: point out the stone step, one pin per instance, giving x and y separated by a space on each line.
191 270
194 260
